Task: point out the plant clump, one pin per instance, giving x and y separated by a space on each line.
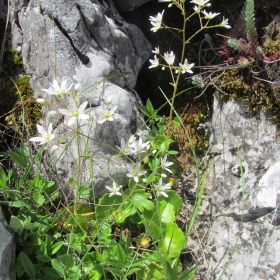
253 73
194 118
18 107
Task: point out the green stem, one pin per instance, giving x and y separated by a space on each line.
181 61
77 170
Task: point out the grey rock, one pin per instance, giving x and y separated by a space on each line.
128 5
89 43
243 189
7 250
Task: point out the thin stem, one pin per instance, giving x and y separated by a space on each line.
184 34
78 169
181 61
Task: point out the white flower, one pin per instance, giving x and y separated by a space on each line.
154 63
124 149
114 190
156 51
196 9
209 15
186 67
74 112
225 23
139 147
46 135
169 57
159 188
200 2
135 173
156 21
106 113
164 164
131 141
58 90
41 101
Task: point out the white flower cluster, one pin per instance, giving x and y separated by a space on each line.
169 57
133 147
66 104
204 3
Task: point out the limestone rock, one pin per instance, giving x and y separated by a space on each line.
7 250
243 187
89 43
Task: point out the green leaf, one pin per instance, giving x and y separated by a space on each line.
19 202
96 273
145 111
153 224
48 245
84 191
115 272
39 199
161 143
190 274
67 260
140 201
174 199
123 212
138 262
57 246
18 159
151 272
124 241
51 272
173 241
58 267
108 206
3 178
71 182
149 106
76 241
44 258
166 211
27 265
132 270
16 224
121 254
115 263
170 273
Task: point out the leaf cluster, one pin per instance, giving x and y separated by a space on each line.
243 43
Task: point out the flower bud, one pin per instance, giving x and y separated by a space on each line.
146 159
77 87
52 113
108 101
41 101
54 148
